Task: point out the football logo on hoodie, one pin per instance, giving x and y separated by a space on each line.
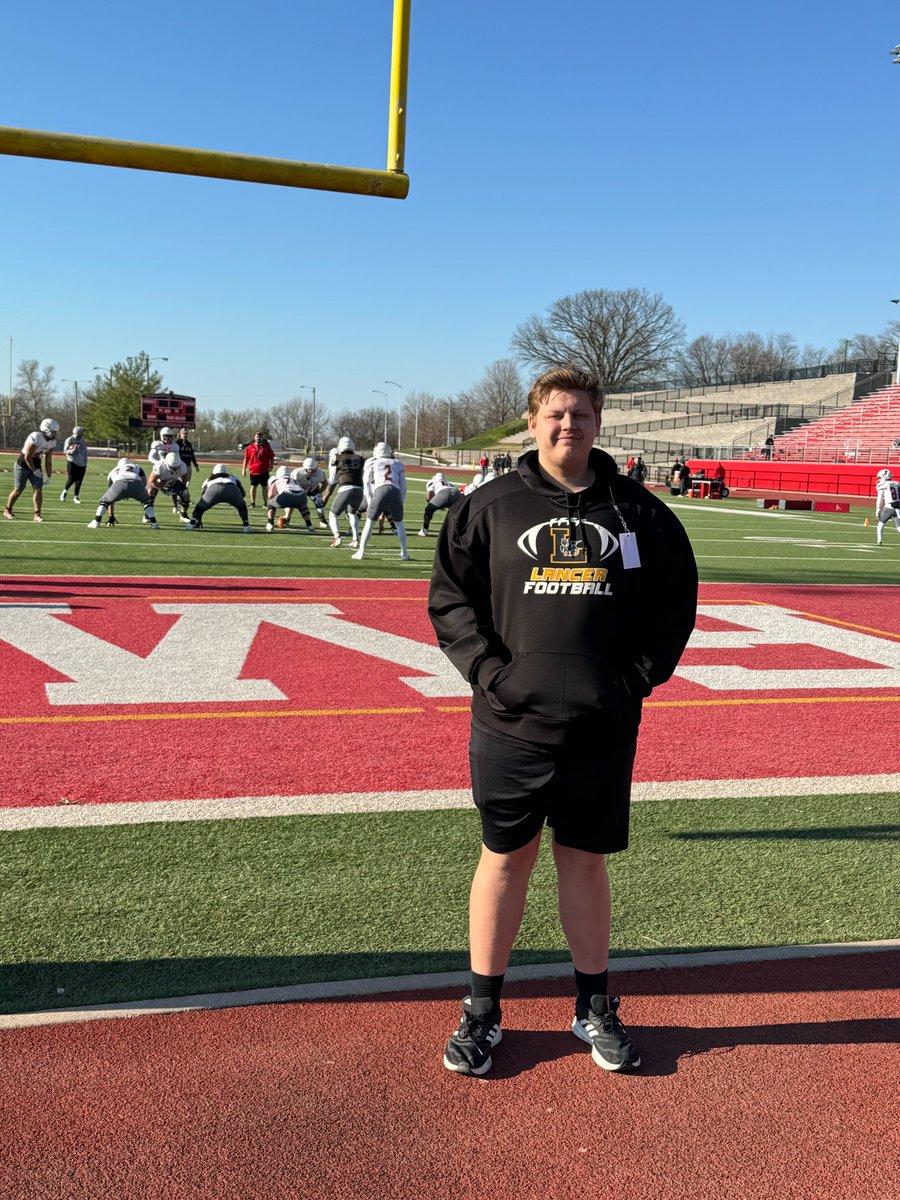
561 543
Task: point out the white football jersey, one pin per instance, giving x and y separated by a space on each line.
435 484
217 481
132 471
159 449
310 481
887 494
284 485
38 444
168 475
379 472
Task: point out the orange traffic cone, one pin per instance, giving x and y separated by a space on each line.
866 523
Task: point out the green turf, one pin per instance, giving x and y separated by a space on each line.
116 913
733 540
123 912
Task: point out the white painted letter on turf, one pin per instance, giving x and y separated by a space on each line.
769 625
215 639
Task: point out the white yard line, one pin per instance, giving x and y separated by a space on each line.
236 807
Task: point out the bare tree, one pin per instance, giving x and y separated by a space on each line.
34 388
875 345
365 426
626 338
706 360
500 394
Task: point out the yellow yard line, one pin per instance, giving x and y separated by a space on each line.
74 719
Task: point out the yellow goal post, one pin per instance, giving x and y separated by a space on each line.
392 182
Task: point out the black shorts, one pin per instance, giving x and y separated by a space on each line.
582 792
259 480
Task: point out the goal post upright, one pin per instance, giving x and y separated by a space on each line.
392 183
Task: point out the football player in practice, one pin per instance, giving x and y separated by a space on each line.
162 446
168 476
345 483
384 484
127 481
285 493
887 502
221 488
75 450
439 493
312 479
36 457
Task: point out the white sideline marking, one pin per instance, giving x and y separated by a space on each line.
355 989
79 815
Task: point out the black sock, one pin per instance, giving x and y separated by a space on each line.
591 985
486 991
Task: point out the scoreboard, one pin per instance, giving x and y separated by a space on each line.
167 408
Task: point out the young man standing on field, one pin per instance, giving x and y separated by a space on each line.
563 593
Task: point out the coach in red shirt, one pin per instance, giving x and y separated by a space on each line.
258 460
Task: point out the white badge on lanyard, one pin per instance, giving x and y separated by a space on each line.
629 547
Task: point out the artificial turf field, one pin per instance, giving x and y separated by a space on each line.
318 828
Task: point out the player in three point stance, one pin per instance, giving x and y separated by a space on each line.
312 479
439 493
887 502
384 484
127 481
345 482
169 476
285 493
221 488
38 448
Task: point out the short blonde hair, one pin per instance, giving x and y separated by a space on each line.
564 379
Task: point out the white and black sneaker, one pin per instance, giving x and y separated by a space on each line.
469 1049
600 1027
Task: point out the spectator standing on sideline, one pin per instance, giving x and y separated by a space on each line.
638 470
75 450
35 457
563 593
185 448
259 458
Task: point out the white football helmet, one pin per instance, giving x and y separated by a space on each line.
309 464
220 469
78 431
477 478
345 443
49 428
282 472
382 450
124 462
166 432
884 475
172 460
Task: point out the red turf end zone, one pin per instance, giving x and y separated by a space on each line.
117 678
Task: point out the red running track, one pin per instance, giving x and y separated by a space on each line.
766 1080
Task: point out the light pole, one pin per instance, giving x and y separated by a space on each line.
148 361
399 410
76 382
305 387
378 392
449 410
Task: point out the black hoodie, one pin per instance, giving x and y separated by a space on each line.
533 604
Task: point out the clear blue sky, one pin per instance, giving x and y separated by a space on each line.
739 159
